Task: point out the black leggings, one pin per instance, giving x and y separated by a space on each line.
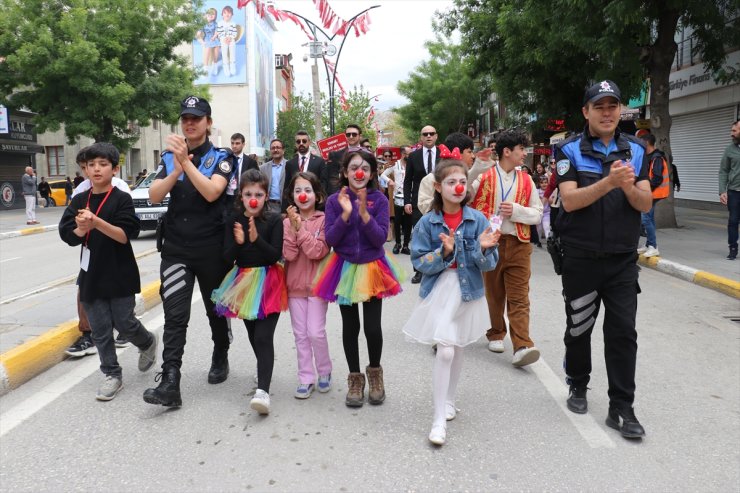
261 334
400 219
371 313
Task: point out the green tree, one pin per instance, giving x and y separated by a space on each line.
442 91
357 110
95 66
543 53
300 116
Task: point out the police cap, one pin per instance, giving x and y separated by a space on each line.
193 105
603 89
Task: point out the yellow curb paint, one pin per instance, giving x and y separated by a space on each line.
719 283
30 231
33 357
649 261
39 354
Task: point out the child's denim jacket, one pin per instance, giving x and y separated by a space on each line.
426 252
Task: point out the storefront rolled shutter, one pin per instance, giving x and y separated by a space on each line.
698 141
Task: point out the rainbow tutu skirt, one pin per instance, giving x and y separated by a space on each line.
251 293
347 283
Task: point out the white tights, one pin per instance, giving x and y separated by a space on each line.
447 367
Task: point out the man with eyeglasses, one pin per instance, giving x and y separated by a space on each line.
421 162
243 163
331 176
303 160
274 171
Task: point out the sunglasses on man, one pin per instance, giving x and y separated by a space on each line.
301 141
428 134
351 134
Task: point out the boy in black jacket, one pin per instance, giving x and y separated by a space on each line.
102 221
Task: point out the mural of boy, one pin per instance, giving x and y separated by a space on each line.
227 34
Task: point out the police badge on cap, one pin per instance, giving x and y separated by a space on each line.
193 105
603 89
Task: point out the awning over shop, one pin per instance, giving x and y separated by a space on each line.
18 148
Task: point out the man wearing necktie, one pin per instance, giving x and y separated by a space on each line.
243 163
331 175
420 163
303 160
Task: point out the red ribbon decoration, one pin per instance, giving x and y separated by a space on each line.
445 153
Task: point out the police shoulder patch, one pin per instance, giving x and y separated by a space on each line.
562 166
225 166
209 162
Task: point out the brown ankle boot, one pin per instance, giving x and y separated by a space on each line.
376 394
356 390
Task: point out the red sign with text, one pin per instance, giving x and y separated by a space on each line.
331 144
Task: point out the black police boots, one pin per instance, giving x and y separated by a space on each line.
733 253
625 422
219 366
577 402
168 392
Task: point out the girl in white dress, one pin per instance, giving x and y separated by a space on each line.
451 246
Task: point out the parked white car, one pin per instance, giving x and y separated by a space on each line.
147 212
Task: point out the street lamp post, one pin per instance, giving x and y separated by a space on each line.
327 49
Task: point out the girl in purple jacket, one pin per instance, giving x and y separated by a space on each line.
359 270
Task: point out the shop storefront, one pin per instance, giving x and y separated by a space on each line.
18 149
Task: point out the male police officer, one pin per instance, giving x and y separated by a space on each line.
603 183
195 174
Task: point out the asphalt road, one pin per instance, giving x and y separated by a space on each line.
513 432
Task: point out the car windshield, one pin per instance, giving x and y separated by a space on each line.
147 182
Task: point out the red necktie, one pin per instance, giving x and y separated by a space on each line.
303 163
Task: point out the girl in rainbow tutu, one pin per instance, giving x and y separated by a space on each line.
359 270
254 290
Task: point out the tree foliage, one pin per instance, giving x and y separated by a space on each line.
95 66
357 110
300 116
542 54
442 91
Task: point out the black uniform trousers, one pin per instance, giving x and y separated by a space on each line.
589 279
178 271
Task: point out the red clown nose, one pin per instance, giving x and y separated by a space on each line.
253 203
459 188
302 198
359 174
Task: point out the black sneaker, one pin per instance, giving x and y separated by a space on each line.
577 402
405 250
82 346
417 278
396 249
121 341
625 422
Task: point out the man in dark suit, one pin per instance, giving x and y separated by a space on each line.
303 160
419 163
242 164
330 178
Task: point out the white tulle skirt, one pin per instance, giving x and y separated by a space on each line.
444 318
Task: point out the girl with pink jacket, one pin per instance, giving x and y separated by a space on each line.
304 246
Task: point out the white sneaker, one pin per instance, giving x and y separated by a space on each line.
642 250
496 346
526 356
438 434
450 411
651 252
261 402
109 388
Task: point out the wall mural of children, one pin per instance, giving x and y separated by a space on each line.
227 34
209 41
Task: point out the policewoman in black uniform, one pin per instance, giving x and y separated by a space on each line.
195 174
602 176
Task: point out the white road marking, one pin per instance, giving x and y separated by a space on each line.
584 423
45 396
9 259
59 282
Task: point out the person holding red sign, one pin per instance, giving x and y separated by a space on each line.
331 177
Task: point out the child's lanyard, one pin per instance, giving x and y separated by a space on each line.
504 196
87 237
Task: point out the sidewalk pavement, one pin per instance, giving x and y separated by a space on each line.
695 251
